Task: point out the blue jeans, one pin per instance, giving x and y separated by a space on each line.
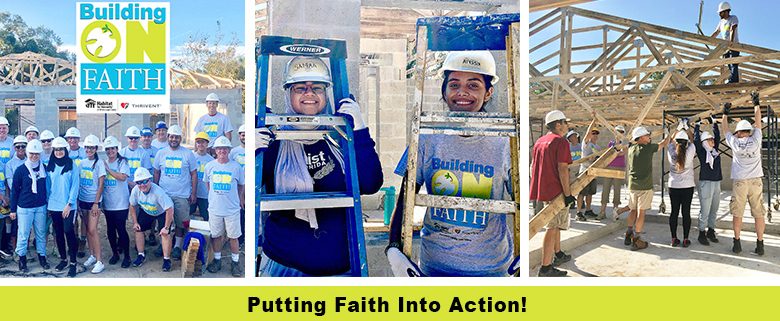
733 68
271 268
29 218
709 199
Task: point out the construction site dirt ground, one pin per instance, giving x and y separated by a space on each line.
152 268
597 247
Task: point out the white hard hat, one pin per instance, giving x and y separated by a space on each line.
303 69
133 132
706 136
723 6
141 173
639 132
174 130
35 147
20 139
222 141
241 129
620 128
212 97
480 62
572 133
744 125
554 116
109 142
3 120
47 134
73 132
59 142
681 135
91 140
32 129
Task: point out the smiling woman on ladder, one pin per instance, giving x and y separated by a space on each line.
309 242
457 242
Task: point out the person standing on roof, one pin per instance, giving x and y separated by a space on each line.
680 155
91 185
202 157
31 133
585 197
46 138
614 184
62 182
710 176
149 204
727 26
311 242
136 157
747 174
161 130
28 205
457 242
640 183
214 123
116 202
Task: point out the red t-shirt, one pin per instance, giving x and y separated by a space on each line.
549 151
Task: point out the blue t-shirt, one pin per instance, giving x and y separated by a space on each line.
154 203
10 168
175 168
115 191
90 178
136 158
6 153
63 188
201 161
223 194
150 152
237 155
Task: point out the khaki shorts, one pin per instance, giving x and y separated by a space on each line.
591 188
225 225
751 191
561 220
640 200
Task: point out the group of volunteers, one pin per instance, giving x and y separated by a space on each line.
454 242
553 154
52 183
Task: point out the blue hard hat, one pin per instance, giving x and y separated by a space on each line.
146 132
160 125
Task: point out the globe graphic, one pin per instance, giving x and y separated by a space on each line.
100 43
445 183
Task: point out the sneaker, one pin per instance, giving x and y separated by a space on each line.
703 238
686 243
176 254
759 247
215 266
91 260
711 235
99 267
552 272
638 244
139 260
126 262
235 269
166 267
581 217
737 246
675 242
601 216
72 271
590 214
561 258
151 240
628 240
159 251
82 246
43 263
23 264
114 259
61 266
5 254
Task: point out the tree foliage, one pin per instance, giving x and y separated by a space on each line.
216 56
17 37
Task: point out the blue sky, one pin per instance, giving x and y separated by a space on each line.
188 18
757 19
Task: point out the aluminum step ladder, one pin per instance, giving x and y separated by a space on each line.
493 32
337 129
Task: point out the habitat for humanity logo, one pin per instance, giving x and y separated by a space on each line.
123 57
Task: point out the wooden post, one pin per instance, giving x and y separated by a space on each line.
189 260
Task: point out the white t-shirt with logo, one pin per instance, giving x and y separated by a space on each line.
214 126
746 162
726 26
202 160
154 203
175 168
223 181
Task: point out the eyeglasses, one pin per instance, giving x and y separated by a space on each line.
20 146
302 89
60 149
46 141
143 182
90 147
133 138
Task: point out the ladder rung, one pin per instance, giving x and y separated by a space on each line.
465 114
293 201
276 119
469 132
301 134
465 203
469 120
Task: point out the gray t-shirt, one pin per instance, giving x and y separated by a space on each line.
587 150
150 152
136 158
154 203
116 192
175 168
214 126
237 155
201 161
223 192
746 162
159 145
10 168
88 184
458 242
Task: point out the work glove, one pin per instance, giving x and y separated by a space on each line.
401 265
514 266
712 119
348 107
754 98
683 126
568 200
726 108
263 138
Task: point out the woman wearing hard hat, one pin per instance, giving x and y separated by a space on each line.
214 123
46 138
310 242
457 242
28 205
202 157
680 155
75 152
710 176
93 174
116 202
63 186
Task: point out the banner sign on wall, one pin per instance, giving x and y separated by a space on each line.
123 57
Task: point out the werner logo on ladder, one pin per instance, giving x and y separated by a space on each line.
309 220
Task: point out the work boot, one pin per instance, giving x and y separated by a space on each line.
561 258
711 235
581 217
215 266
759 247
235 269
551 271
42 261
23 264
590 214
703 238
737 246
629 236
638 244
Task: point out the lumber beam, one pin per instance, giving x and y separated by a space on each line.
653 99
608 173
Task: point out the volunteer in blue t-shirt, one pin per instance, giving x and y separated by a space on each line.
62 183
311 242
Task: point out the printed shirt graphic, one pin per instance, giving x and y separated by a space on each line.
459 242
214 126
115 192
223 194
175 168
237 155
746 162
201 161
89 177
6 152
154 203
726 27
136 159
576 151
77 155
